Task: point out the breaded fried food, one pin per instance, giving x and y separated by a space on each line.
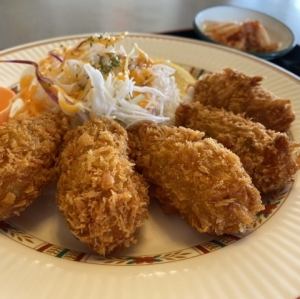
103 200
266 155
29 147
239 93
195 176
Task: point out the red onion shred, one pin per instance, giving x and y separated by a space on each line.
56 56
44 81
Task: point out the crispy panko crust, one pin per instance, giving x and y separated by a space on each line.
103 200
242 94
200 179
28 150
266 155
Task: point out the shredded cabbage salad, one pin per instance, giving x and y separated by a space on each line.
98 77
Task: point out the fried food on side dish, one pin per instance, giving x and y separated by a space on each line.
28 150
266 155
199 178
240 93
103 200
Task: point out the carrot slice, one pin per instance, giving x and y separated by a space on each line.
6 96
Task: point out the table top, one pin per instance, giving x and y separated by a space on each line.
26 21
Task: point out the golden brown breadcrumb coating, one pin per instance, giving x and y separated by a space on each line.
103 200
28 150
239 93
266 155
197 177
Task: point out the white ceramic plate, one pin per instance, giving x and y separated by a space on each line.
278 31
41 259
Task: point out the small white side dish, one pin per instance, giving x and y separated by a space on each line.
278 31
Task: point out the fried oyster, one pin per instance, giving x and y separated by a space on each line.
103 200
